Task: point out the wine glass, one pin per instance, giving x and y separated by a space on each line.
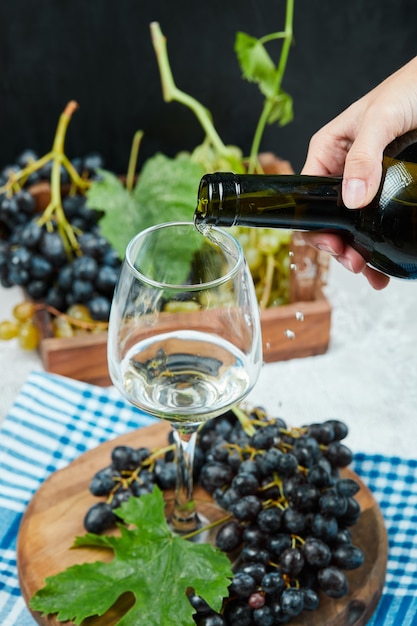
184 338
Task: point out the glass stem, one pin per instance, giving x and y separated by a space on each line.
184 518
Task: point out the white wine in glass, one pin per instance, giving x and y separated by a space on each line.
184 339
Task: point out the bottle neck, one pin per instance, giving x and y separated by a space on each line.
226 199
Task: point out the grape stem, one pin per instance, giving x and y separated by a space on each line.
287 37
269 276
72 320
244 420
171 92
207 527
54 211
18 179
54 208
133 159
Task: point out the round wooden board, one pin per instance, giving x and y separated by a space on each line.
55 516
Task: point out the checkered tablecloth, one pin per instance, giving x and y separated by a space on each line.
55 419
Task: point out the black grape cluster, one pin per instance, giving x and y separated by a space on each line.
132 472
34 256
292 514
291 511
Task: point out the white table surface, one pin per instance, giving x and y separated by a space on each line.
367 378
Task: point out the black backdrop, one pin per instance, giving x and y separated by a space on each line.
99 53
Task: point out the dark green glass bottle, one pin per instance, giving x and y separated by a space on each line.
384 232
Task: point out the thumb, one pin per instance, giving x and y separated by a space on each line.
362 172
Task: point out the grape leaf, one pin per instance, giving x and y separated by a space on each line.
258 67
118 224
166 191
255 62
150 562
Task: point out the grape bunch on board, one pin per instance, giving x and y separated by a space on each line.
289 512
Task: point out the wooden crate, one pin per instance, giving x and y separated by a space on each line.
295 330
290 331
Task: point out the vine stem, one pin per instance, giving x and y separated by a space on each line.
244 420
171 92
287 36
71 320
57 154
269 275
207 527
133 159
17 179
58 158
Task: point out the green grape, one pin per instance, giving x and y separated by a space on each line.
269 243
8 330
24 311
222 297
97 329
178 306
28 336
254 259
62 328
278 301
284 260
79 312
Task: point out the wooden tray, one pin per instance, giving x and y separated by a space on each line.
55 515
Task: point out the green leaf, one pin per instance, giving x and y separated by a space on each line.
282 109
258 67
150 562
118 224
255 62
166 191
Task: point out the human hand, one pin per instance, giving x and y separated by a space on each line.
352 146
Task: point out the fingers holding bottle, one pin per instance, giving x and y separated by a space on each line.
352 146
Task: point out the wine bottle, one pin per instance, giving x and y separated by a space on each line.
384 232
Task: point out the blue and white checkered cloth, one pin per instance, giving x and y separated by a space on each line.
55 419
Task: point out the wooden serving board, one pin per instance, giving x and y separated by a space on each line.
55 516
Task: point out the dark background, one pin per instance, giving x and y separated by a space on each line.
99 53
